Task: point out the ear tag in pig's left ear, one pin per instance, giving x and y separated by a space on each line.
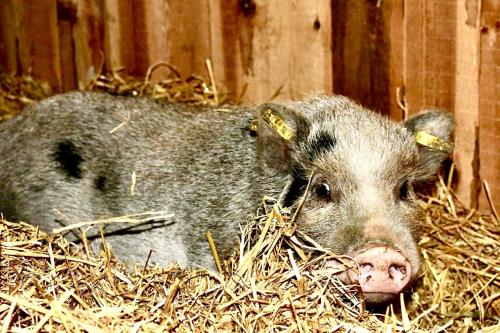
431 141
278 124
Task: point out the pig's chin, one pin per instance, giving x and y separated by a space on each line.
380 298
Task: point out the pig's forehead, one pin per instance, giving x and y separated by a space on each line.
358 127
363 140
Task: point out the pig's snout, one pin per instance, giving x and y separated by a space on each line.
383 273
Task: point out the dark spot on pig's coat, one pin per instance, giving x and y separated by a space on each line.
100 183
321 143
69 159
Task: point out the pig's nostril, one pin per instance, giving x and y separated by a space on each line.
365 268
397 272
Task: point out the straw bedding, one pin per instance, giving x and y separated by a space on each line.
275 281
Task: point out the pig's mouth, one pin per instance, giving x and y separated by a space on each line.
383 273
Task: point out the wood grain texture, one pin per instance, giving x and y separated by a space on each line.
152 31
489 102
368 52
8 38
187 35
466 103
37 36
394 18
119 46
88 40
451 61
66 17
270 46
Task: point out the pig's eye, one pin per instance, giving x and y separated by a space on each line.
323 190
404 190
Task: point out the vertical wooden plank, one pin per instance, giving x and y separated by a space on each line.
38 40
230 31
413 54
361 52
89 40
8 40
188 35
489 102
467 100
451 61
268 46
310 70
119 45
155 29
429 54
138 40
394 20
66 14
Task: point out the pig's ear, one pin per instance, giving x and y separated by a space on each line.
279 129
431 130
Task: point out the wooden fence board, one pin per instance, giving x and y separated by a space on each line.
187 36
272 46
368 53
489 102
38 40
394 18
152 31
467 102
8 30
119 47
88 39
441 51
66 16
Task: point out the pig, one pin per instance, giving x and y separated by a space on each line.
84 156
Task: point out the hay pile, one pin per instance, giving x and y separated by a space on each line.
274 282
18 92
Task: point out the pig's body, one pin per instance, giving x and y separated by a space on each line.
65 160
61 163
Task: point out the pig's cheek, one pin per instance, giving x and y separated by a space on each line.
309 222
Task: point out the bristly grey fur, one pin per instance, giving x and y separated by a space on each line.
65 160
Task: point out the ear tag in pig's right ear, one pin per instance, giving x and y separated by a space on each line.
278 124
431 141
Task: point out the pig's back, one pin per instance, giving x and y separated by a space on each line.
82 156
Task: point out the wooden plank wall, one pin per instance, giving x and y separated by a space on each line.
452 61
368 52
489 96
435 53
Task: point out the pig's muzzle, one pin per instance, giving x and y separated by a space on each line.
383 273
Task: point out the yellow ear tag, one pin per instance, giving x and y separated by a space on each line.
278 124
431 141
